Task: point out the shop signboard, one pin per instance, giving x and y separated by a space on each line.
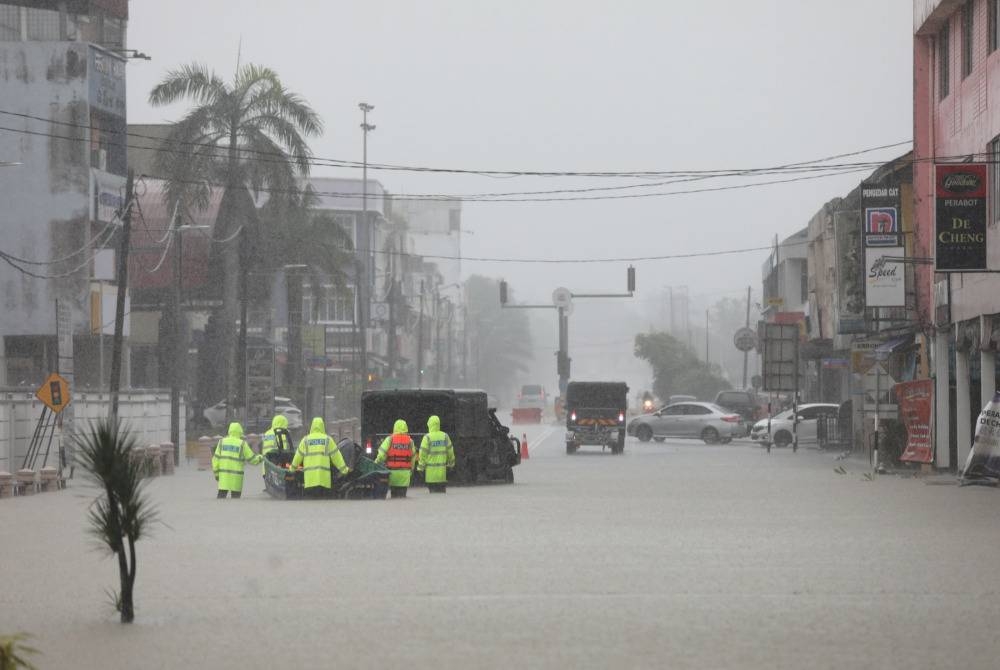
960 217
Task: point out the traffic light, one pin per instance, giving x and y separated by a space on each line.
631 279
503 292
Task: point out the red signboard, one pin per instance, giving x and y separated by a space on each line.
916 402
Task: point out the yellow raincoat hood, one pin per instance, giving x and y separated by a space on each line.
235 430
433 424
400 427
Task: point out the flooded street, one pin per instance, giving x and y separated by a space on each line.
671 555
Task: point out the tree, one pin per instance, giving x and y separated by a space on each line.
676 368
248 136
121 516
294 233
500 339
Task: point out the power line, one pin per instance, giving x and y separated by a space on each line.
334 162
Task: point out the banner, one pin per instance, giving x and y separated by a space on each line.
916 403
983 465
960 217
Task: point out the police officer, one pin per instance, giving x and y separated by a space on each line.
437 455
227 462
316 452
399 454
276 438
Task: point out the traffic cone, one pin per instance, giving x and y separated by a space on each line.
524 447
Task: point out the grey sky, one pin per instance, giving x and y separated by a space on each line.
575 86
578 86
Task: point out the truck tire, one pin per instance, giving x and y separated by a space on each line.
621 443
571 448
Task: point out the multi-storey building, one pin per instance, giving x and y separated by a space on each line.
956 119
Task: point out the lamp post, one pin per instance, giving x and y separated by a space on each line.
364 239
179 368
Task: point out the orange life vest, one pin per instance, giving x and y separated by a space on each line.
400 454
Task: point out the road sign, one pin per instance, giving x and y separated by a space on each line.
54 392
562 297
780 344
775 302
380 311
745 339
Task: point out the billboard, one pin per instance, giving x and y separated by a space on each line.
960 217
882 240
885 281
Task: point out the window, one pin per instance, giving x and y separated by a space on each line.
335 304
992 40
967 33
10 24
674 410
697 409
43 25
944 62
994 157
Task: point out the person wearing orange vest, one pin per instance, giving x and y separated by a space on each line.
399 454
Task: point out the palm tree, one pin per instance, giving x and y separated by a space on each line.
121 516
247 136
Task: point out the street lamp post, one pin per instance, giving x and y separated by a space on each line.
179 368
364 239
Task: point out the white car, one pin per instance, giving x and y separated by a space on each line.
781 425
216 414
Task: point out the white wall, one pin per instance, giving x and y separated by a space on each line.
147 414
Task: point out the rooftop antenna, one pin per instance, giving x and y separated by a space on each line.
239 53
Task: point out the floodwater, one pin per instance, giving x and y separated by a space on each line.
672 555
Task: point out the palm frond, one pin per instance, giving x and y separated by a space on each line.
194 81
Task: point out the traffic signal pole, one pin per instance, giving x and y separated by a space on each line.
562 302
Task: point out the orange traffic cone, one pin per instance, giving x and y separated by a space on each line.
524 447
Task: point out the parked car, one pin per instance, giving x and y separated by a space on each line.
702 420
781 425
216 414
532 396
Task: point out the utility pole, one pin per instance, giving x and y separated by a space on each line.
177 369
746 354
364 239
449 376
437 339
420 340
116 346
706 337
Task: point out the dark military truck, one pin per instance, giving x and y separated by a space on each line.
595 415
484 449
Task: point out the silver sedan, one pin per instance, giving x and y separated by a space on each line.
700 420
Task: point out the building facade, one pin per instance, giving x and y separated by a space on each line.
956 81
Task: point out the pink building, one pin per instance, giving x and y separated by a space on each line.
956 114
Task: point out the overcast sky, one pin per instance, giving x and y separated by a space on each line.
575 86
578 86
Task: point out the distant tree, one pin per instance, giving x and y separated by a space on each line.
248 135
120 517
676 368
499 339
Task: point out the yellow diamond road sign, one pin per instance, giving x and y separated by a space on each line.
54 392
